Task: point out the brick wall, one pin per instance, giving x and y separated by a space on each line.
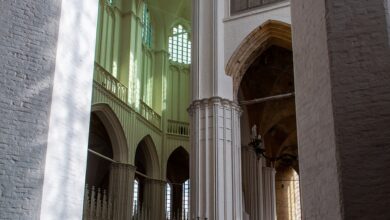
387 8
360 73
28 36
341 61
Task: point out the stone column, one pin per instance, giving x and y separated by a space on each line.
154 199
121 190
177 200
252 183
215 160
341 73
269 198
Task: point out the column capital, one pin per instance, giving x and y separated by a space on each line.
215 100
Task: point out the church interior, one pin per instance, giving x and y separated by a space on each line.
142 83
196 110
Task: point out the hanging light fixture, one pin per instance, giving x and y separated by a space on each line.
259 148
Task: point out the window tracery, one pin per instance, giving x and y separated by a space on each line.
180 45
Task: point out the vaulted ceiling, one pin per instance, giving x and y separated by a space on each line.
272 74
178 8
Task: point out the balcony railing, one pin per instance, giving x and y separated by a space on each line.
110 83
149 114
178 128
97 206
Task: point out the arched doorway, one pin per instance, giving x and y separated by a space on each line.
262 69
177 177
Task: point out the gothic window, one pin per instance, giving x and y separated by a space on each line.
186 199
180 45
147 27
136 197
168 201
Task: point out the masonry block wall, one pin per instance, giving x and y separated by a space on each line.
341 59
28 37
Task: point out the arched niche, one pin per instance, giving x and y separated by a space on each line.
270 33
114 130
146 158
262 67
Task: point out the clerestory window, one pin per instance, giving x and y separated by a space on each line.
180 45
147 27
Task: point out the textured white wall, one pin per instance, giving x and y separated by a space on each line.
28 39
64 177
240 26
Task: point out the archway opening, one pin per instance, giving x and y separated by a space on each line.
98 168
266 94
178 176
146 162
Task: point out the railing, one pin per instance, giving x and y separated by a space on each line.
149 114
178 128
96 205
110 83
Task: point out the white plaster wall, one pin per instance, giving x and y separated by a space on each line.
240 26
63 185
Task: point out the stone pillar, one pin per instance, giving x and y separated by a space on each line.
121 190
341 74
269 199
154 199
215 160
177 200
252 183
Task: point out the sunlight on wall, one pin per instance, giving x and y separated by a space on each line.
63 184
294 203
131 79
165 81
115 69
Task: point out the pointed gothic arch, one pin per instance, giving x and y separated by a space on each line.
146 154
177 169
270 33
114 130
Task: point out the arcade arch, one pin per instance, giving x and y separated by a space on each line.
263 81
